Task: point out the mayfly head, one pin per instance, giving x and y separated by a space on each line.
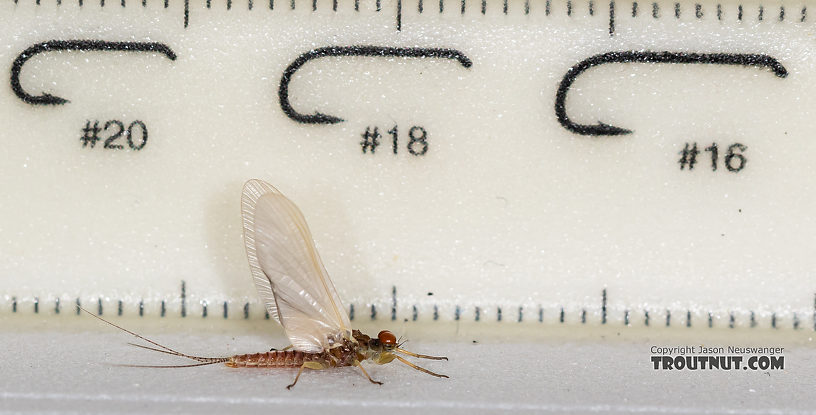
385 344
387 348
379 349
388 340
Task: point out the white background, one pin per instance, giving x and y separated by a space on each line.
506 210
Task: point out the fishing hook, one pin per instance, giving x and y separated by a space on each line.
377 51
81 45
601 128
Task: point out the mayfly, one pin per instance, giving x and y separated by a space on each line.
299 295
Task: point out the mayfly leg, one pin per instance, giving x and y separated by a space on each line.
306 365
421 369
358 364
421 356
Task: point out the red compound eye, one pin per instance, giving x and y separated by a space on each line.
387 338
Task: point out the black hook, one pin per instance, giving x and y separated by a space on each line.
648 57
318 118
81 45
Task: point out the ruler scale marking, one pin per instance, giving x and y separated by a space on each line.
612 18
478 312
796 318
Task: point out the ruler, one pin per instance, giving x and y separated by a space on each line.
535 162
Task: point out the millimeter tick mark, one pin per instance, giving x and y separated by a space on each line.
183 299
399 15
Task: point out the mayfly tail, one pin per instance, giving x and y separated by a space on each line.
204 360
170 366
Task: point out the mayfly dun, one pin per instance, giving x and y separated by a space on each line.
298 294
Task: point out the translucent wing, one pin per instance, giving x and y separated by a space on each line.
287 270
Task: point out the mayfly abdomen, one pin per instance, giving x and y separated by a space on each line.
275 358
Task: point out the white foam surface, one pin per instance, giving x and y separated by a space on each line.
56 371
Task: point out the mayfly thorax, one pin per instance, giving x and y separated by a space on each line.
298 293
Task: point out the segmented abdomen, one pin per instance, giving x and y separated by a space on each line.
276 358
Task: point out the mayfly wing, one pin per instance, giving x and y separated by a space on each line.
287 269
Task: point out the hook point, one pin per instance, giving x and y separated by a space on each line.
608 129
326 119
53 100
